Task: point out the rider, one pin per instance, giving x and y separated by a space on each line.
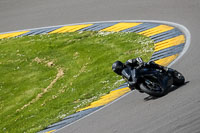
123 69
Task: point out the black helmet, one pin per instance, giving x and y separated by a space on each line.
117 67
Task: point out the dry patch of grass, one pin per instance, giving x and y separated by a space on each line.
60 74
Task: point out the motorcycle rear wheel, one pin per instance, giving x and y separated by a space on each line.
178 78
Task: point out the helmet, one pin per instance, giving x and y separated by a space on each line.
117 67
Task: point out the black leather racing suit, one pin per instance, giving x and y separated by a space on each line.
136 65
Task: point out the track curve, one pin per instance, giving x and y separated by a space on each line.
179 111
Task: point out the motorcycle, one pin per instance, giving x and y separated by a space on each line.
154 82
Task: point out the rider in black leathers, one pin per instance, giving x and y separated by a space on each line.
137 63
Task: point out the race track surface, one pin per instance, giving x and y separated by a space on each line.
177 112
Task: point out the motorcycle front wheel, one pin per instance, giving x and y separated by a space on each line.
153 90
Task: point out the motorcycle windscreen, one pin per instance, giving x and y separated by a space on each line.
126 73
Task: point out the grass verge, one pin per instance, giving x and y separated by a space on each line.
45 78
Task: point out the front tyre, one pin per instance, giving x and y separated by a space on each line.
154 90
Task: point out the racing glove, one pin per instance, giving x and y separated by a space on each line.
132 84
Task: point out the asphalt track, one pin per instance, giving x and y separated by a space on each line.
177 112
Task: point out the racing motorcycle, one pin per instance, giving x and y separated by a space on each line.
154 82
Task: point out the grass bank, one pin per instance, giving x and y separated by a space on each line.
44 78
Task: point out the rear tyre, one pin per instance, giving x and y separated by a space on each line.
178 78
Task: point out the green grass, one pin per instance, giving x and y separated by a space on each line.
32 93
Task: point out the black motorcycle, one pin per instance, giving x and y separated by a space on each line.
154 82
